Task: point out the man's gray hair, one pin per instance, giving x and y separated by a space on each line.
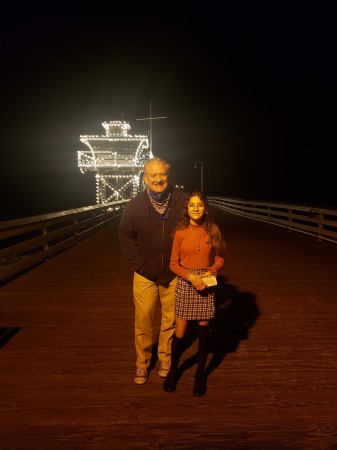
158 161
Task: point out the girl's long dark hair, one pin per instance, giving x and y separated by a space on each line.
213 231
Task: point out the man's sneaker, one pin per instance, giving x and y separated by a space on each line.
164 368
141 376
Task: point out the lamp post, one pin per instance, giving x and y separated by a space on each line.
201 174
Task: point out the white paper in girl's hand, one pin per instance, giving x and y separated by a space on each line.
210 281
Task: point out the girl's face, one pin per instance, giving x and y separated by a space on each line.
196 210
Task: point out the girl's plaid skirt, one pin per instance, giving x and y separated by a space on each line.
191 304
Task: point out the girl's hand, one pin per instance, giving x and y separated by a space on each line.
197 282
208 274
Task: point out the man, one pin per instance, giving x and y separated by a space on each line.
145 233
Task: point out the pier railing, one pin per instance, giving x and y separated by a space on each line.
31 240
316 222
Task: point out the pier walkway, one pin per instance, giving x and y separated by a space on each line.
67 352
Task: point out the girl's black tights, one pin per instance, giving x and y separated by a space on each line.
176 351
203 347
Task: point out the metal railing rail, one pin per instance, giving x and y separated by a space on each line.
31 240
317 222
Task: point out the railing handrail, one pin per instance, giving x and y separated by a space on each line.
28 241
317 222
6 224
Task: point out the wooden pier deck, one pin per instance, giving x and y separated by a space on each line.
67 352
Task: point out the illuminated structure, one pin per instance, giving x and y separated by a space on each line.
118 159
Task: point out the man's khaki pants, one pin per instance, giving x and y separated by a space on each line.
146 294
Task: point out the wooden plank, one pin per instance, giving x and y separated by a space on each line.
67 373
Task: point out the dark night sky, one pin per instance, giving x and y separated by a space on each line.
249 90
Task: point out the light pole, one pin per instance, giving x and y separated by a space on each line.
201 174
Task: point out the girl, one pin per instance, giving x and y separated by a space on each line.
197 252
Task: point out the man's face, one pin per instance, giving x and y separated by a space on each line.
156 177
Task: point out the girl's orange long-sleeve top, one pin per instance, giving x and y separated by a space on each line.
185 254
